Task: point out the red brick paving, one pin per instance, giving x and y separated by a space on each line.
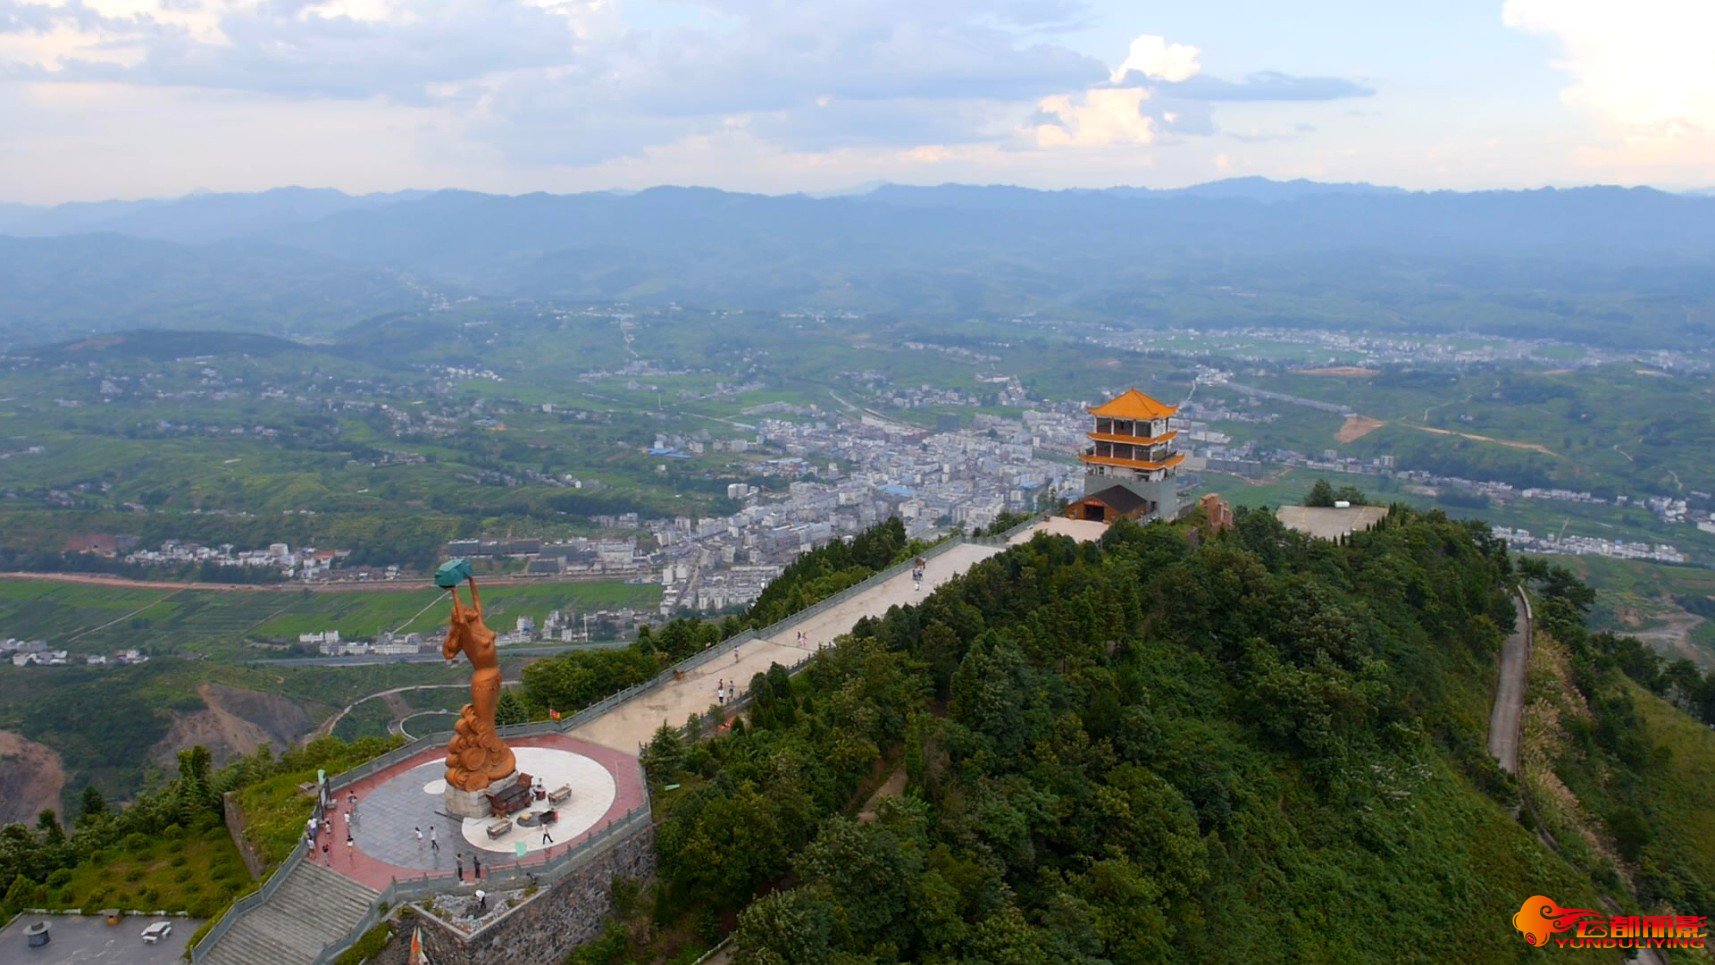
377 874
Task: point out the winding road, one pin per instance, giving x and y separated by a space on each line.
328 725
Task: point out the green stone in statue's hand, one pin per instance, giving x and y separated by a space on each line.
452 573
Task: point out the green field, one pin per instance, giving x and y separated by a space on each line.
101 619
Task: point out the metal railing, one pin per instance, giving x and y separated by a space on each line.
260 896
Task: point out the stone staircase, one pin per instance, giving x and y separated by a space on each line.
313 907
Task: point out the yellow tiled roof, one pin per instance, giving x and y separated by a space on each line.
1134 405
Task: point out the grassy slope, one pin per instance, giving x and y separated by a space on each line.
187 870
1680 786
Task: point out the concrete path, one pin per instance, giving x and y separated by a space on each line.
1509 693
634 722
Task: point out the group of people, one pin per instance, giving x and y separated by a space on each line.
434 839
322 829
725 691
475 866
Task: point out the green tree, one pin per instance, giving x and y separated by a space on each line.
1321 494
510 710
786 928
92 805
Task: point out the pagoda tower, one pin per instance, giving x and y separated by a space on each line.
1131 467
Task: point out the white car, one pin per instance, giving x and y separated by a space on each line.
157 931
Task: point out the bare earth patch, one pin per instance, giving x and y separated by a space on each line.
892 787
234 722
31 778
1510 443
1671 636
1356 427
1340 372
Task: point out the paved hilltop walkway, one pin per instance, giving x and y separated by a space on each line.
634 722
1509 692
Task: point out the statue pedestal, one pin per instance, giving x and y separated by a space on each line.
474 804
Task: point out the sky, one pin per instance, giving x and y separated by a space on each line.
151 98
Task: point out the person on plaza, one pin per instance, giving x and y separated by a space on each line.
418 831
547 838
434 842
475 867
350 849
458 865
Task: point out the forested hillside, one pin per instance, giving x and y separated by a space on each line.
1252 747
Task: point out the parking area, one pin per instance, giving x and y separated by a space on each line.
75 938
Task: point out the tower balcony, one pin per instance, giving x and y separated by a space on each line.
1167 461
1118 437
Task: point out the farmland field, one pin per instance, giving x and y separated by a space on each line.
84 618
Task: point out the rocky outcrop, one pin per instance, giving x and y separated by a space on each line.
233 722
31 778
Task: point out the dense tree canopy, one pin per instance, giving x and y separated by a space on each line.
1257 747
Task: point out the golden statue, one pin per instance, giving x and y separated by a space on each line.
476 757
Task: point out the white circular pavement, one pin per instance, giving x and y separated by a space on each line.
593 790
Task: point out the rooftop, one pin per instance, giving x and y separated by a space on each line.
77 938
1132 404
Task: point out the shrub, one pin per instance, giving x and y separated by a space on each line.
367 947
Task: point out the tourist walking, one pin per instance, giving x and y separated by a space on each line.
418 831
546 837
475 867
434 841
458 865
350 849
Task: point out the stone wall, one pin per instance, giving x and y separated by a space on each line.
235 827
544 929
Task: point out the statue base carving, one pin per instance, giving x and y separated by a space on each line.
474 804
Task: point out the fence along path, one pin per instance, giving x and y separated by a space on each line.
672 701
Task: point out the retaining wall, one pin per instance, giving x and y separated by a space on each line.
235 826
543 930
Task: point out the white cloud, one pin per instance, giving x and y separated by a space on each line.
1099 117
1157 59
1642 71
567 94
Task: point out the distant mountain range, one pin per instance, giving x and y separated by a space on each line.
1601 263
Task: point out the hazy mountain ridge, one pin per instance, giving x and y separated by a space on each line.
57 288
1613 264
